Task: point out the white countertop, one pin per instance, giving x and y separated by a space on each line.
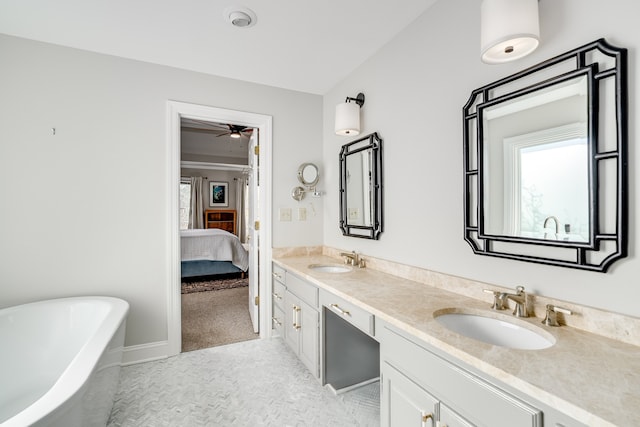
594 379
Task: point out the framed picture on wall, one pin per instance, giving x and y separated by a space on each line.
218 194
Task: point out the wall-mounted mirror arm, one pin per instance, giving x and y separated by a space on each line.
308 175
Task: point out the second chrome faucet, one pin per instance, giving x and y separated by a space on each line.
353 258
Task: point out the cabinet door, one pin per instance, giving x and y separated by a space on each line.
403 402
309 345
448 418
292 321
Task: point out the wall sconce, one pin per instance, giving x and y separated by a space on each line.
348 116
509 29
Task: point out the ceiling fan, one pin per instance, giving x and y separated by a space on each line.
234 131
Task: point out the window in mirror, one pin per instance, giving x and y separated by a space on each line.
545 177
361 187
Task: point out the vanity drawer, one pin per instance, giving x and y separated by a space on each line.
470 396
278 274
303 290
353 314
278 294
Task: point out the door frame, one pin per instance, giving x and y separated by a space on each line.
175 111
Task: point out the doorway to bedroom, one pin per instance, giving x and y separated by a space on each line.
219 243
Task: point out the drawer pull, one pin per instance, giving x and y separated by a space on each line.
337 308
277 276
276 296
296 315
276 321
426 417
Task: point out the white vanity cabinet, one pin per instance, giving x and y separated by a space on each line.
426 388
302 321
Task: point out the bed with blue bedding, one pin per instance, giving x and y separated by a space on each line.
211 252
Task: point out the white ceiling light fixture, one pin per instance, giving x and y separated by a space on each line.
347 121
509 30
240 16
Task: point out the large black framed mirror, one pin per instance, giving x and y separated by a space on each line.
545 161
361 187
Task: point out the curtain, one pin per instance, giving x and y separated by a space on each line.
196 212
242 208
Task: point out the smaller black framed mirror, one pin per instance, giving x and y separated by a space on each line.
361 188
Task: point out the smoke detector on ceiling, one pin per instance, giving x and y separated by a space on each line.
240 16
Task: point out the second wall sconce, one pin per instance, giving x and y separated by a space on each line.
348 116
509 29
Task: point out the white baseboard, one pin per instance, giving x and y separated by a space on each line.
145 352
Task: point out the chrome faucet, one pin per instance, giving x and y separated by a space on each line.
501 301
353 259
554 219
520 298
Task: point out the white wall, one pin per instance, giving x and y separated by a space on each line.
415 89
100 184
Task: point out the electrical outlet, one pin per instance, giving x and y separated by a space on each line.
285 214
302 214
354 213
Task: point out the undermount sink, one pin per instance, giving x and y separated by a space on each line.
330 268
503 333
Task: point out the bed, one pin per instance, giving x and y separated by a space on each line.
211 252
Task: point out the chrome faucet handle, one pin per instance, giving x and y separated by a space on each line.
551 319
499 299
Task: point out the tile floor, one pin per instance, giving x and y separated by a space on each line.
252 383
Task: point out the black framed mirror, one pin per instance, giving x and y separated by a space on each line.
361 187
545 161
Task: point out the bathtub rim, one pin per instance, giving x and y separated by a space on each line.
76 375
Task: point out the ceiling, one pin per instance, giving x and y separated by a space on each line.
210 141
296 44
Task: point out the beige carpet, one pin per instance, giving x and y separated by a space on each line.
216 318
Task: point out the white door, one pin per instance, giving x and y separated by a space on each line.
252 231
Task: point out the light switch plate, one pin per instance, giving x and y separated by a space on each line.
302 214
285 214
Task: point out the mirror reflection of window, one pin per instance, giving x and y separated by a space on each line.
536 183
553 191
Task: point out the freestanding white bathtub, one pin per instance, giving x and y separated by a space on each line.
60 361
